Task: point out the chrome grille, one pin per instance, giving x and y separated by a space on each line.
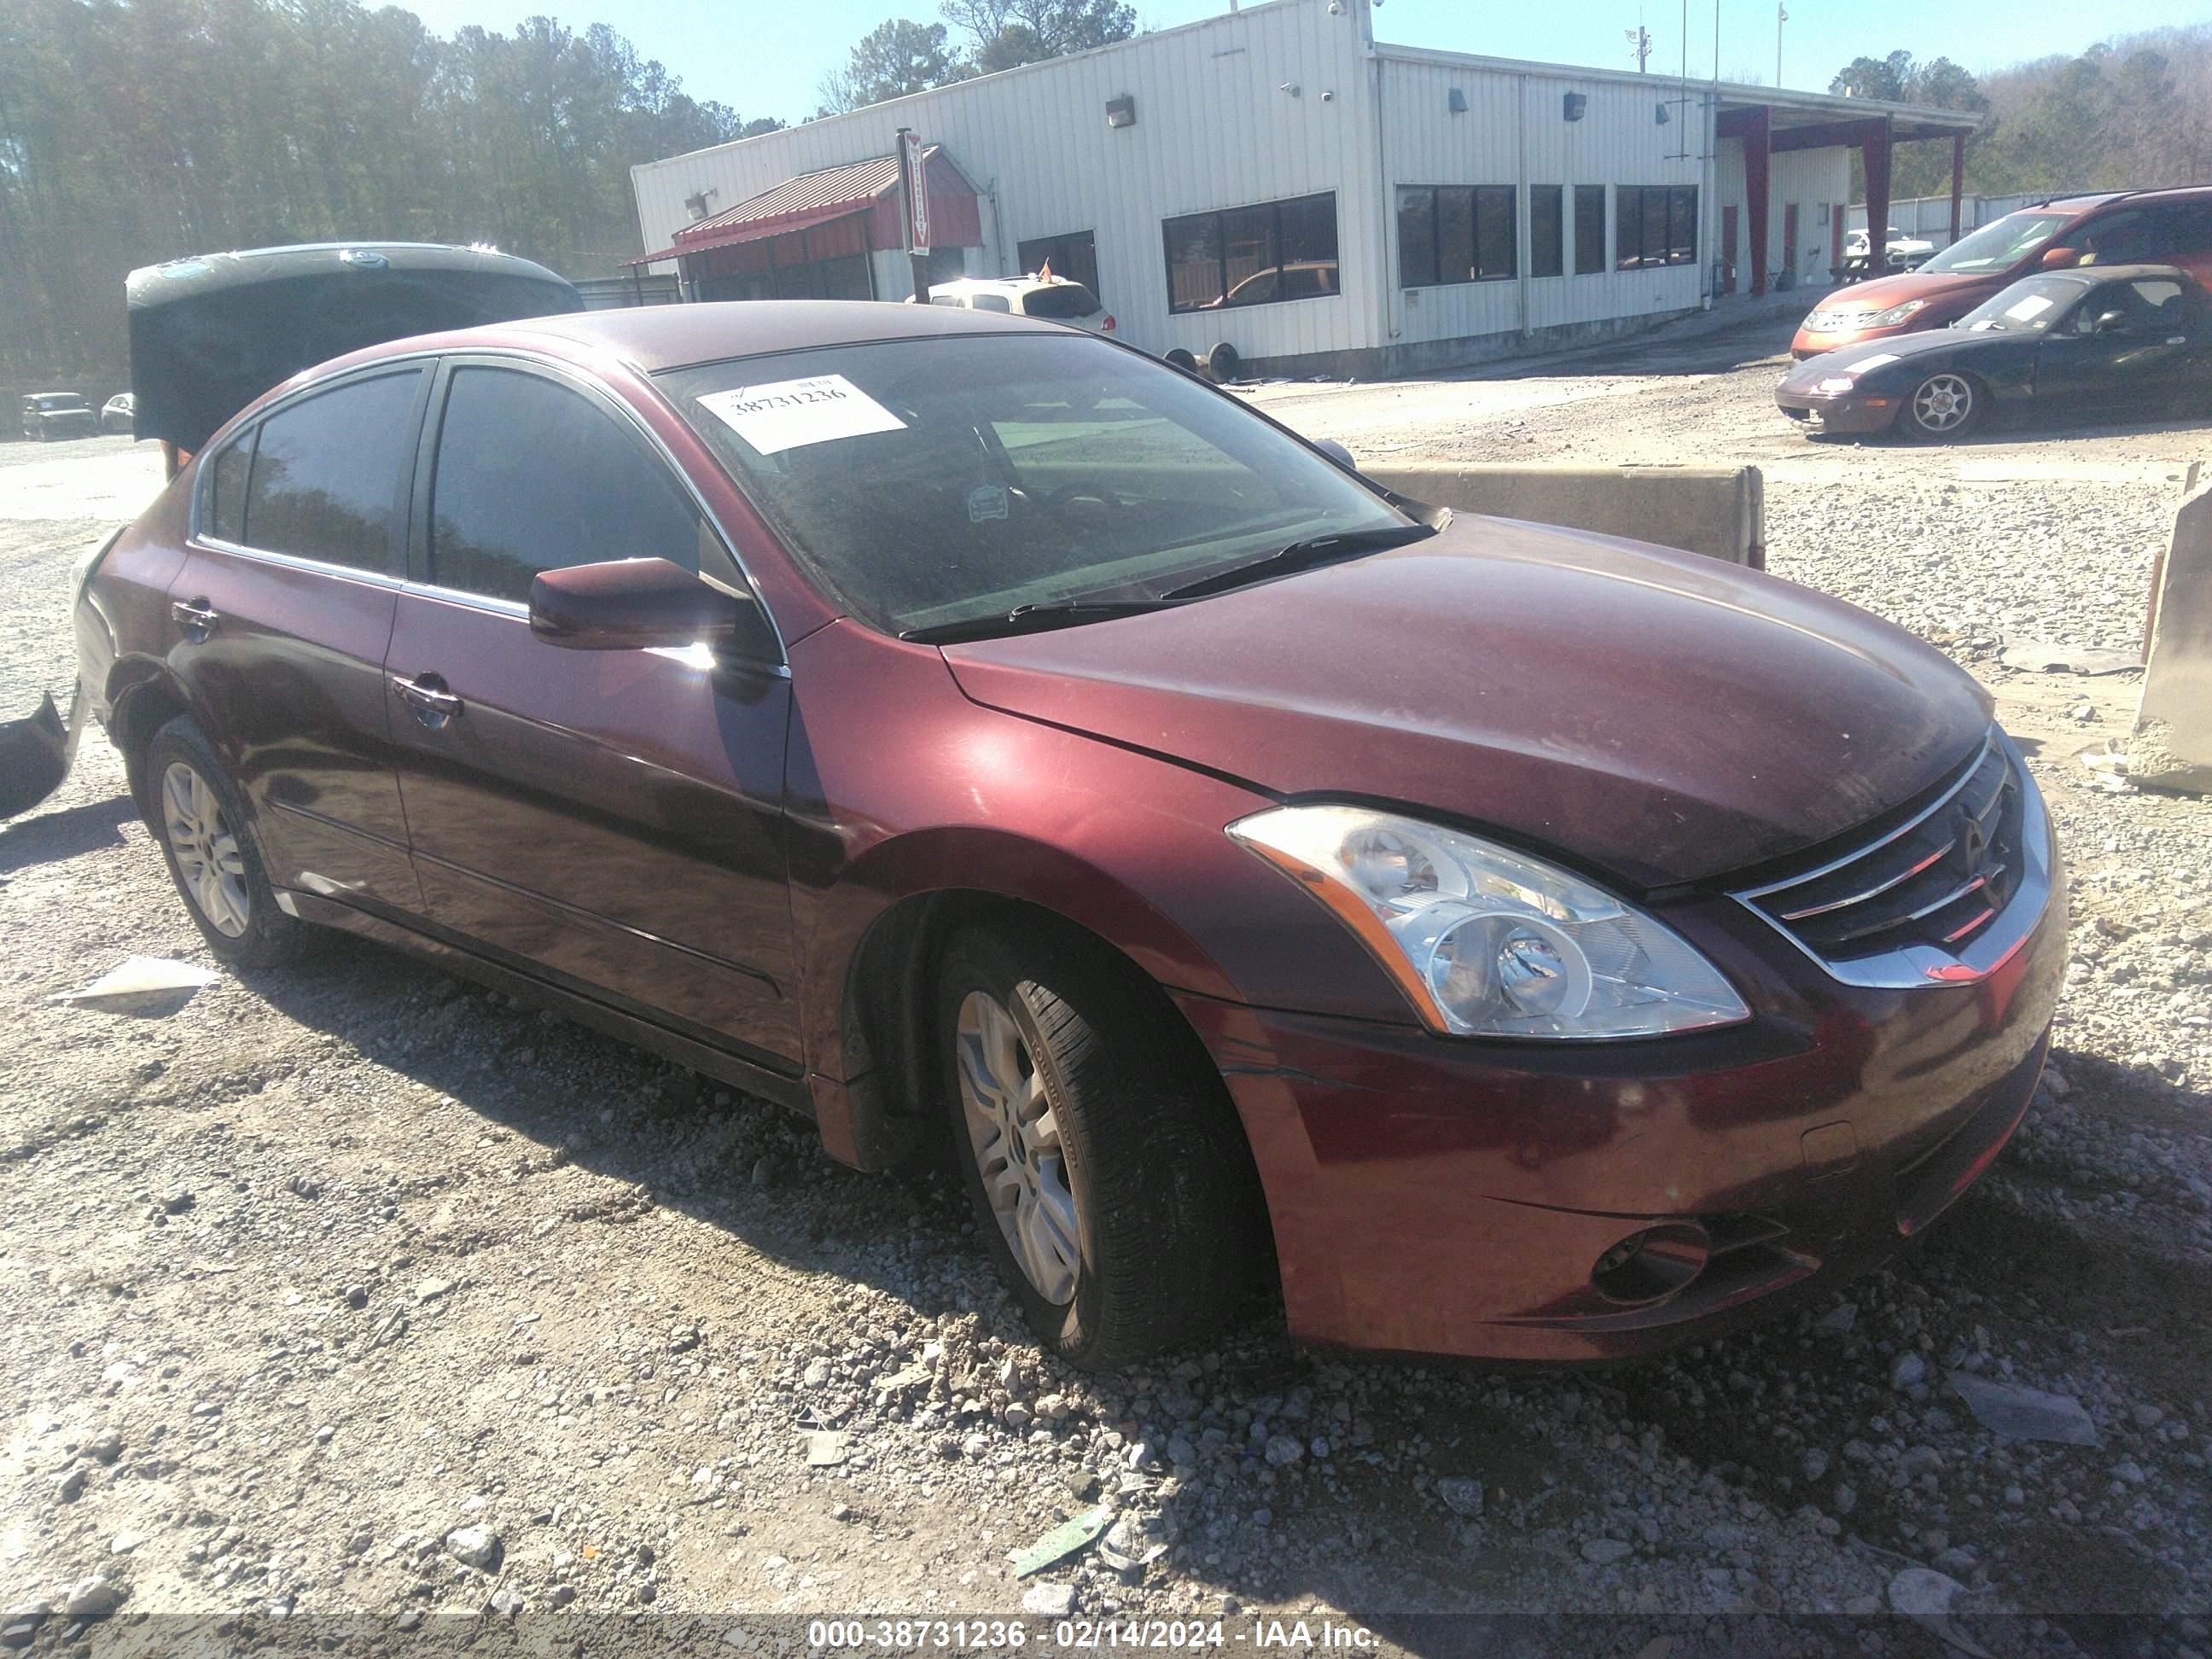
1937 880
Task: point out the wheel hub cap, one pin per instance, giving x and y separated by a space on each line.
1943 402
208 860
1013 1135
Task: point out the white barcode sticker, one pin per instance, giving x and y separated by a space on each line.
784 415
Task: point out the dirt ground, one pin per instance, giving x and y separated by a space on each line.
310 1275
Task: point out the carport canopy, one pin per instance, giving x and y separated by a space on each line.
1771 124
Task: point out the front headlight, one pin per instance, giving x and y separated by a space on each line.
1896 314
1834 384
1489 942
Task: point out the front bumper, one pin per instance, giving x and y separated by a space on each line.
1457 1198
1849 413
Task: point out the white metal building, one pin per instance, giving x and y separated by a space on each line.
1277 179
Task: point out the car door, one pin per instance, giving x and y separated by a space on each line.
2140 359
610 819
281 613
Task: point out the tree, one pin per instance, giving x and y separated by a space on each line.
1006 34
1874 77
895 58
132 133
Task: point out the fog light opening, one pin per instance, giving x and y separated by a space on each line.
1652 1264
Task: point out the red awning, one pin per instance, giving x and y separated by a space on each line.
816 198
726 235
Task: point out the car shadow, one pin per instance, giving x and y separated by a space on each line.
1346 1534
50 837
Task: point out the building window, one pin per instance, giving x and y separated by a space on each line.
1454 234
1546 254
1252 256
1654 225
1073 255
1590 230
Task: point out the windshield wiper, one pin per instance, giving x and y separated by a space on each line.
1303 555
1028 619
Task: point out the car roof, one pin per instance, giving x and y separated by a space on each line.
1020 283
657 337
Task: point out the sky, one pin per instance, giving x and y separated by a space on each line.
770 60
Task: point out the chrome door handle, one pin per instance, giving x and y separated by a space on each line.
195 618
427 698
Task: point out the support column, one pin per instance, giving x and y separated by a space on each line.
1958 178
1876 150
1757 155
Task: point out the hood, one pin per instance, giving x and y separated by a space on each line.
1660 716
1902 353
1963 293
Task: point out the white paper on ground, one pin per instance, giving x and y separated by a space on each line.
142 976
784 415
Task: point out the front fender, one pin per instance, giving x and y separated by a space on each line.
899 786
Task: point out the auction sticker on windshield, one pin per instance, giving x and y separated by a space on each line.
790 414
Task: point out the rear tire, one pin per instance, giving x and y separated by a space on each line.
1108 1168
200 821
1943 408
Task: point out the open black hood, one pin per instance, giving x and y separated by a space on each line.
208 335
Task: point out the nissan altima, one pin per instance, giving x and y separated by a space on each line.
975 735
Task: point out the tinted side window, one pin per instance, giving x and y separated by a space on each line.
226 503
330 473
531 476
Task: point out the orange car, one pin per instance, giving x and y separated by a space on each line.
2163 227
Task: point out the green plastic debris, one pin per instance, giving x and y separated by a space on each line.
1062 1542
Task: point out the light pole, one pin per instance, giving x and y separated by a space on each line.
1781 16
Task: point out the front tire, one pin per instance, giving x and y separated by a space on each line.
1107 1166
1945 407
200 821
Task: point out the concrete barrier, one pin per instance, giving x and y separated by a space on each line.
2171 745
1719 511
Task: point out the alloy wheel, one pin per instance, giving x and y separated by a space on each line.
1013 1135
209 861
1944 403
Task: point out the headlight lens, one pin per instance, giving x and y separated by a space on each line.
1834 383
1489 942
1896 314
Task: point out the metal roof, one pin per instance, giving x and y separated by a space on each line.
855 184
812 199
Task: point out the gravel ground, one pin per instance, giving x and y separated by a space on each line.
353 1291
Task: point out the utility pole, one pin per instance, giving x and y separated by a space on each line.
1639 45
1781 16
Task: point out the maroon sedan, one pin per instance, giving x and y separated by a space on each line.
1525 944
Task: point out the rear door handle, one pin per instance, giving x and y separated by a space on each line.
427 699
195 618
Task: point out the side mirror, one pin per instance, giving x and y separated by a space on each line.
2060 258
636 605
1337 452
2112 322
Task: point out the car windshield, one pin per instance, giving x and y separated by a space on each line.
2001 243
2029 306
1061 301
926 483
61 400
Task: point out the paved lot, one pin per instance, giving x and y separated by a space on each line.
307 1274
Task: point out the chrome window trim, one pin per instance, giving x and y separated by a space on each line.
516 611
299 561
1915 966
